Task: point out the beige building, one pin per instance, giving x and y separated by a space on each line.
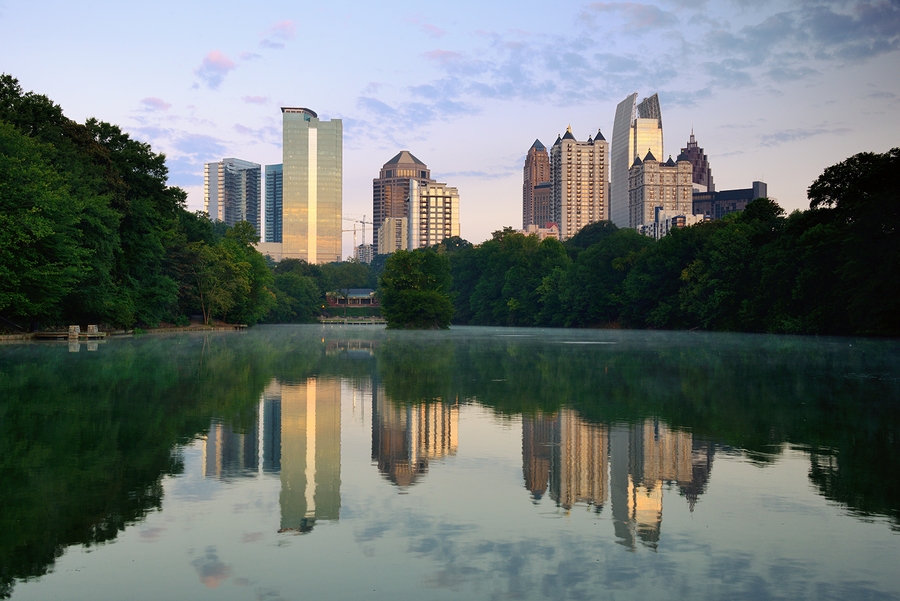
392 235
578 175
312 193
652 184
433 213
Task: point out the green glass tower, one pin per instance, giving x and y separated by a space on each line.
312 186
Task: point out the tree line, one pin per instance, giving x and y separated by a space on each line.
90 232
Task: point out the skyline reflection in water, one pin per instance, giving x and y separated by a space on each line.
506 453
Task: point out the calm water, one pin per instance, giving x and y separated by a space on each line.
315 462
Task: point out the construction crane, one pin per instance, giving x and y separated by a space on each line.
362 221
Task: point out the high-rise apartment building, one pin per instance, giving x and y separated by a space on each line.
433 213
578 175
312 183
274 201
636 131
701 176
653 184
390 190
537 171
392 235
231 191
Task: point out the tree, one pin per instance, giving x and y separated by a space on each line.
415 290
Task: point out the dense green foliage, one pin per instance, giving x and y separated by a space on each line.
415 290
834 269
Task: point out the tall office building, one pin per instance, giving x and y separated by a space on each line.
433 213
653 185
231 191
537 171
578 176
274 202
636 131
390 190
312 186
701 175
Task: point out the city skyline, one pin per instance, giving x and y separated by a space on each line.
775 92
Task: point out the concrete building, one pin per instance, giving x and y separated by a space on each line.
231 191
312 186
365 253
392 235
390 190
701 173
637 129
433 213
578 177
716 205
537 171
274 202
652 184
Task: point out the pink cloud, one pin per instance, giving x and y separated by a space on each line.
213 69
255 99
155 104
286 30
444 57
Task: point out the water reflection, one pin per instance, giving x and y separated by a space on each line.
296 433
584 463
405 437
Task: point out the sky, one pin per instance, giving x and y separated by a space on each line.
773 91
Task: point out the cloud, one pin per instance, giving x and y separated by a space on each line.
255 99
444 58
155 104
213 69
270 133
430 30
795 135
636 18
210 569
249 56
283 30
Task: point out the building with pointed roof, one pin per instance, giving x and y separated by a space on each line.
638 125
537 172
579 183
653 185
390 190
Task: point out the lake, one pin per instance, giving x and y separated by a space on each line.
339 462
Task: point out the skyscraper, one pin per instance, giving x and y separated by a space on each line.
537 171
701 176
390 190
636 131
653 185
433 213
312 186
579 183
274 202
231 191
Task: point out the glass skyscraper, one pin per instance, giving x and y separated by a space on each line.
274 201
637 130
312 195
231 191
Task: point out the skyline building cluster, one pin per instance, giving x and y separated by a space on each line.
410 209
629 182
304 193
